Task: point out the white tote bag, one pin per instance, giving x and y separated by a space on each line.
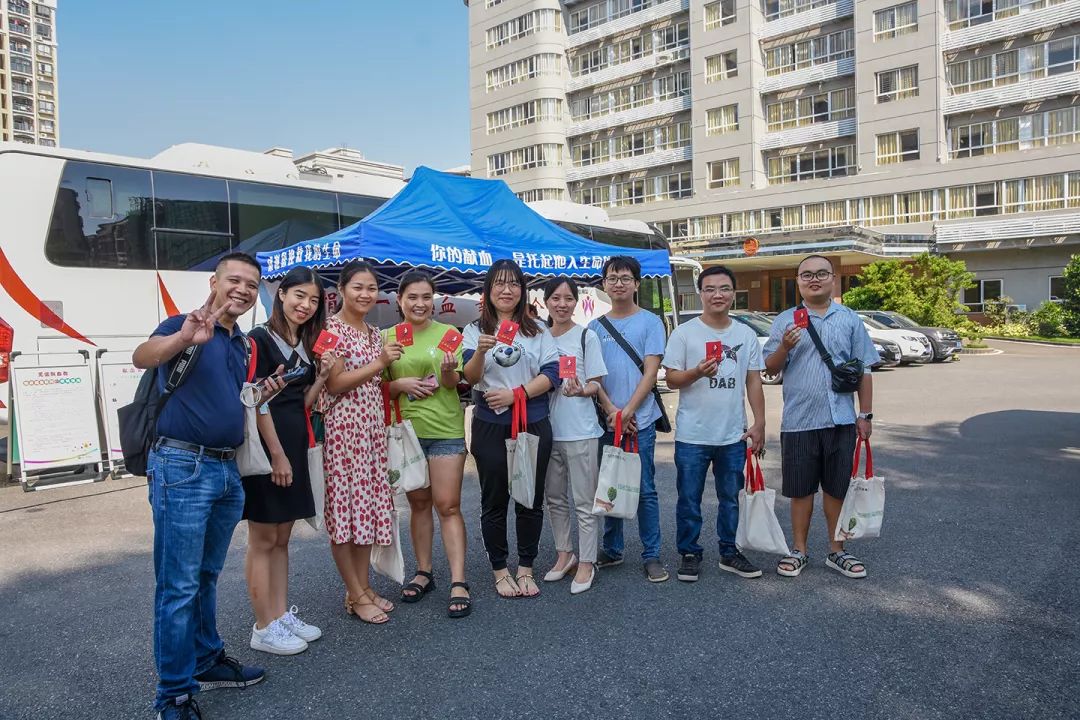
317 476
864 504
251 459
521 450
618 488
387 560
758 527
405 458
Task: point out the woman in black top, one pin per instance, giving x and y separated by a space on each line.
273 502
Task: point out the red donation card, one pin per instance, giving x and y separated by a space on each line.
507 332
567 367
802 318
403 332
326 342
714 350
451 341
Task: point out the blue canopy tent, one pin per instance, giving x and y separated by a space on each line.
456 227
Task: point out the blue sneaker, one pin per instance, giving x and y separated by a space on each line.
182 708
229 673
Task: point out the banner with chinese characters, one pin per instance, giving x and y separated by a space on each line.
57 417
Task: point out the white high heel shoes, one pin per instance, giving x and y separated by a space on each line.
557 575
577 588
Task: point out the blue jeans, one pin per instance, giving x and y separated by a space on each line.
648 514
691 465
196 502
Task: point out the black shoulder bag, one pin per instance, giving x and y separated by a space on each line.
847 376
663 424
601 416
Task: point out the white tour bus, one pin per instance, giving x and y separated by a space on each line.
99 248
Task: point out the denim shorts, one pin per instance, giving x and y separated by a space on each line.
442 447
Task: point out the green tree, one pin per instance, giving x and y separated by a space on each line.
927 289
1070 304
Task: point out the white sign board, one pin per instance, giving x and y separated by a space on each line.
57 417
118 384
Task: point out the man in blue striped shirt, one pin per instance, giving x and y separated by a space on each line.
819 426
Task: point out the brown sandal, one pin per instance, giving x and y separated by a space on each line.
351 605
377 601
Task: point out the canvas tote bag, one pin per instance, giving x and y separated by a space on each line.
864 504
619 486
521 450
758 527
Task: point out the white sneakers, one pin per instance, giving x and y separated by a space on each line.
288 635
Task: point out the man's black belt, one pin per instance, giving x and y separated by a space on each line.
216 453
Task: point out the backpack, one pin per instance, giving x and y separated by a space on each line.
138 421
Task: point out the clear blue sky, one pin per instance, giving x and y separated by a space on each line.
387 77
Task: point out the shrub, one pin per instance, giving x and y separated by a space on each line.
1048 320
1012 329
1070 303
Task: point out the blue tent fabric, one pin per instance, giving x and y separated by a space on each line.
457 227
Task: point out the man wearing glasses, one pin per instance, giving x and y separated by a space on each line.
715 364
819 426
629 390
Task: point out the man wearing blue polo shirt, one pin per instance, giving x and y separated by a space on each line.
195 491
818 427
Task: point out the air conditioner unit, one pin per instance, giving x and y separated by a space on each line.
664 58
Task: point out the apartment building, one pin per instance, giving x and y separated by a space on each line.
752 132
29 110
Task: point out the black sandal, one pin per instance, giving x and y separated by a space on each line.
414 591
464 603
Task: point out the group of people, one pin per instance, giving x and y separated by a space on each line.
197 495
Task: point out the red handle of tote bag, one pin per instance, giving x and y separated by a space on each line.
869 459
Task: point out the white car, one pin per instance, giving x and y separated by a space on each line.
914 346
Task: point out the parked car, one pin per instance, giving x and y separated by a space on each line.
889 352
761 326
944 341
914 346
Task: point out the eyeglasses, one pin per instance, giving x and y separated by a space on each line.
507 284
819 275
725 290
619 279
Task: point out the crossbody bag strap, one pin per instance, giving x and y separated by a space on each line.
623 343
181 371
817 342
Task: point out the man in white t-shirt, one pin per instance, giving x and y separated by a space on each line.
714 362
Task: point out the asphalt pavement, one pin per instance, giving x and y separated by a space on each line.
969 610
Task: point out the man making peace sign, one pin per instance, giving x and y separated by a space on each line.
195 491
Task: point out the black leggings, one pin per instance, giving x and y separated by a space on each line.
489 450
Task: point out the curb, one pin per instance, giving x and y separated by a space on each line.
1044 343
981 351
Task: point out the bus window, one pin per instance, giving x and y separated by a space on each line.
355 208
583 230
101 218
191 218
271 217
628 238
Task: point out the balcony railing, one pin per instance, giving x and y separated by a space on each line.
1013 26
816 132
22 88
805 76
22 8
807 19
654 60
19 29
627 22
638 162
1047 87
1017 228
636 114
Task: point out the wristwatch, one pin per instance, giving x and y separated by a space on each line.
866 416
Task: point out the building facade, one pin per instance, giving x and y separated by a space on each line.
29 105
754 131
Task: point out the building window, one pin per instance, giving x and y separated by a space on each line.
45 69
631 192
775 9
898 84
724 173
798 167
984 291
797 112
897 147
545 64
742 300
1057 288
895 21
1009 67
46 106
723 66
541 194
719 13
808 53
675 186
523 26
965 13
534 111
670 38
492 3
44 50
533 156
723 120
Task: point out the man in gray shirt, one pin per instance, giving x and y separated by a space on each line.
819 426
